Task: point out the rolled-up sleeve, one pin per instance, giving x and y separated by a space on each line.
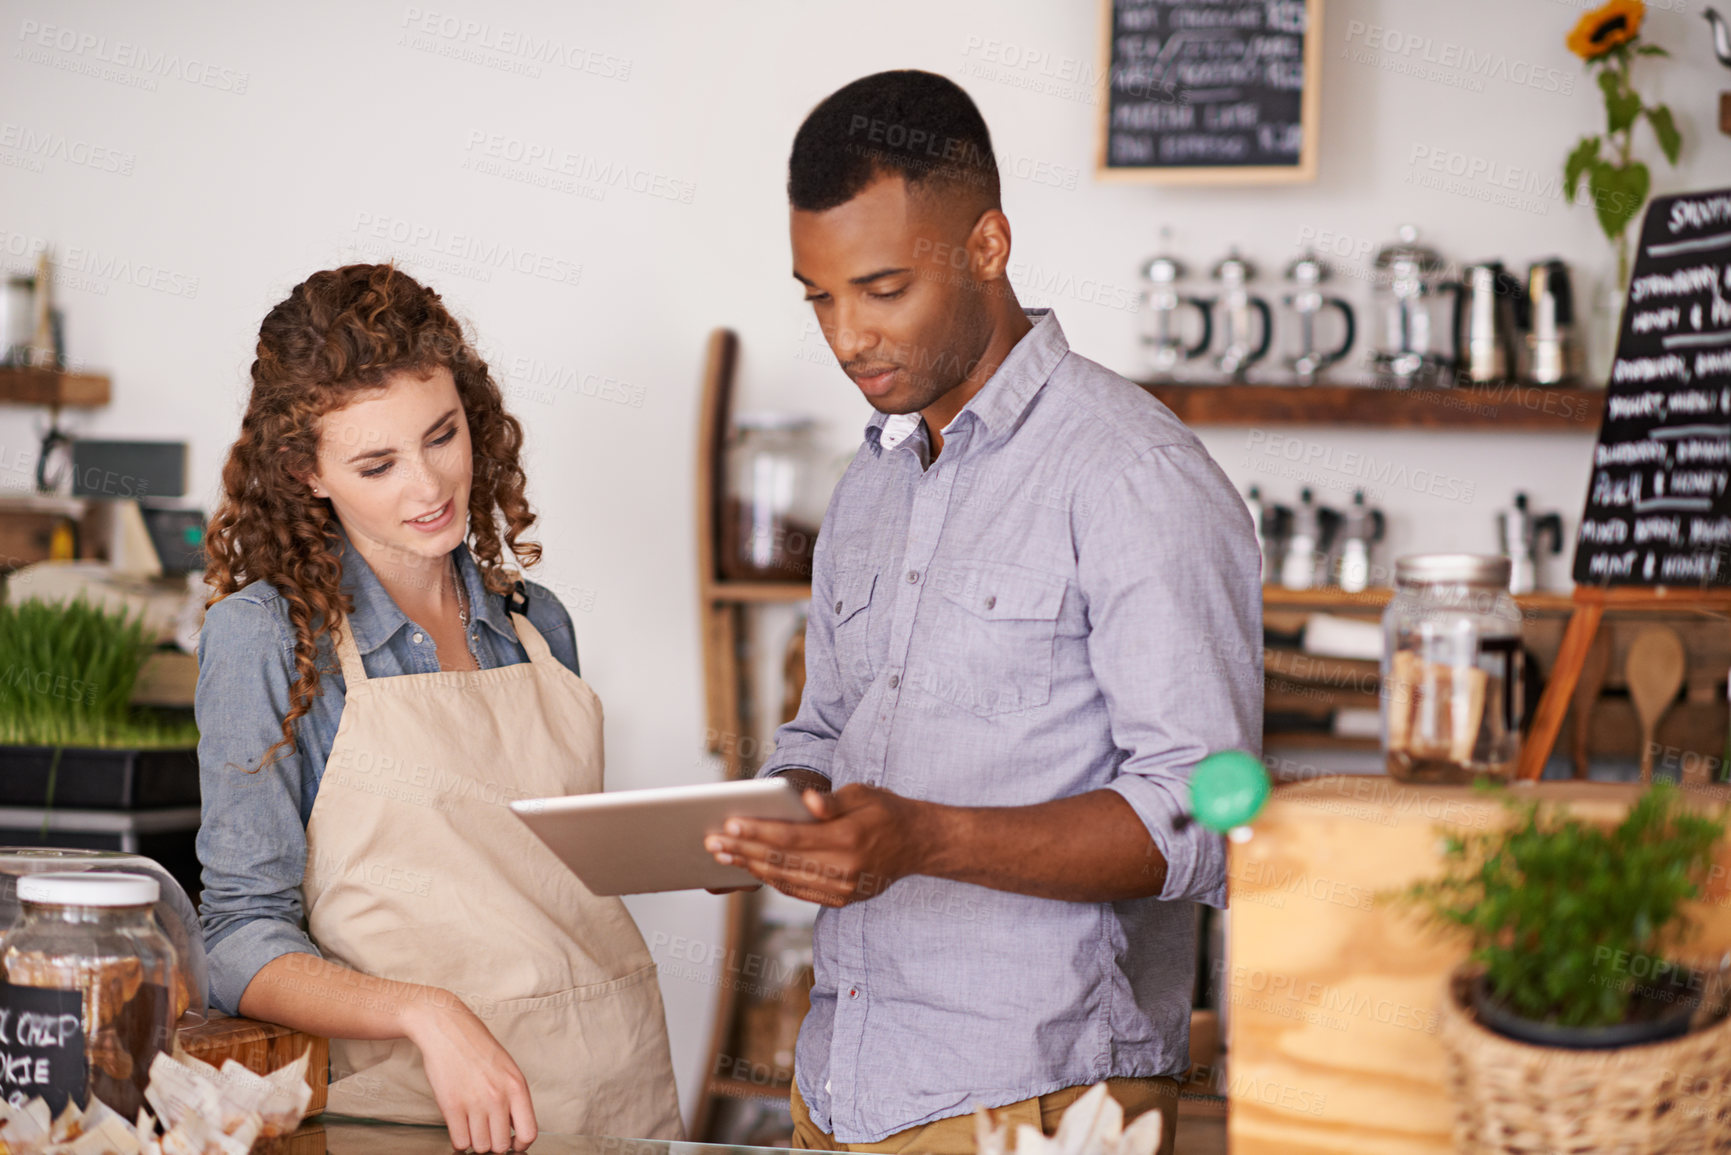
1170 568
252 840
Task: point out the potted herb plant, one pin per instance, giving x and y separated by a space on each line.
69 735
1575 1018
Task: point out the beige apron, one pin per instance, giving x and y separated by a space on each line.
418 871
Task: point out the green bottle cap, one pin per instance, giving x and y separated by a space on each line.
1228 789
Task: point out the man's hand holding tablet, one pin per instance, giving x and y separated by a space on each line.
809 782
863 839
642 841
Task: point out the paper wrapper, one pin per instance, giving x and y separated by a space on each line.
200 1110
1092 1125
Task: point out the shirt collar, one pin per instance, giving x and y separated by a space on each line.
377 617
1005 396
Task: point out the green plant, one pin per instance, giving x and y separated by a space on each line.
1568 917
67 671
1607 39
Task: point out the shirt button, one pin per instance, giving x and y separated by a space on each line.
991 602
417 639
895 681
853 992
913 575
838 607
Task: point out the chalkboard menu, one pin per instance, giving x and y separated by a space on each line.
1210 91
1657 509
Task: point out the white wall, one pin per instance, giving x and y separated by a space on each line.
352 140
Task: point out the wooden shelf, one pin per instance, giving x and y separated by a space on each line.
49 387
742 593
1329 598
1297 666
729 709
1504 408
1653 600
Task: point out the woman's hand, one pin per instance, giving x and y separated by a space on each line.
481 1093
477 1086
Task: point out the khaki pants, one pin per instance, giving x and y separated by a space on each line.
955 1135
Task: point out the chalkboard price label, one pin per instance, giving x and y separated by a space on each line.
1658 509
42 1046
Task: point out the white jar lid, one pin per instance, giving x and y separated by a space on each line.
89 888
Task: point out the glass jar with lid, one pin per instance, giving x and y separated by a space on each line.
175 913
86 989
774 501
1452 670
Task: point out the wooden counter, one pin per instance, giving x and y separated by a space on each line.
354 1137
1331 991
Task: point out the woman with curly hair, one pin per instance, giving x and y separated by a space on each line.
375 687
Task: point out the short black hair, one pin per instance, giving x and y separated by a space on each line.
916 124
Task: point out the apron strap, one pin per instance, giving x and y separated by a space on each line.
349 654
531 640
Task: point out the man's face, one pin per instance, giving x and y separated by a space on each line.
890 278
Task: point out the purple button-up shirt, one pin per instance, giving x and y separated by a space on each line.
1067 599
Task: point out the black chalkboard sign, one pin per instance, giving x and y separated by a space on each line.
1210 91
42 1047
1658 511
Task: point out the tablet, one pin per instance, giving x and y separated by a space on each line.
639 841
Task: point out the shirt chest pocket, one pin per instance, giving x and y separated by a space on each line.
987 638
851 617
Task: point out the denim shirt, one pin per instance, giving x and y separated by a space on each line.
252 839
1066 599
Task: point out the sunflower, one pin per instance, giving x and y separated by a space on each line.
1603 29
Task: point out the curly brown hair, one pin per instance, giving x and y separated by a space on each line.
339 333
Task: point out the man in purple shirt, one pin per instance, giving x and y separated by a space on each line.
1036 605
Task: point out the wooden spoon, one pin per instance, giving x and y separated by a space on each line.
1587 690
1654 671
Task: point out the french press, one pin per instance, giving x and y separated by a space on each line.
1234 306
1163 304
1306 303
1417 338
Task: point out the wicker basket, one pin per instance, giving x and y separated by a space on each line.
1672 1097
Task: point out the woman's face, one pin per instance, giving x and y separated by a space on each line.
397 466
